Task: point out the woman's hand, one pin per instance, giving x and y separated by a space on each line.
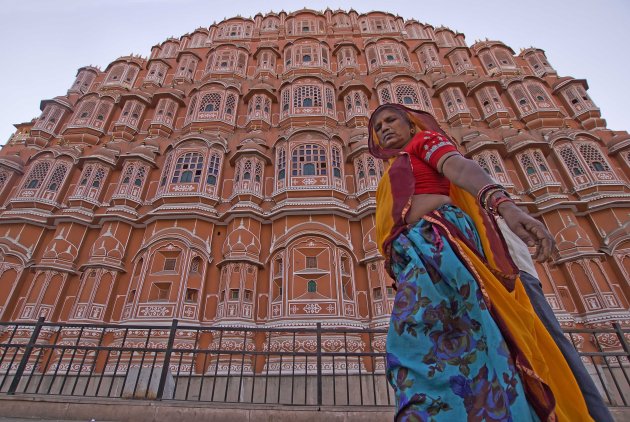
530 230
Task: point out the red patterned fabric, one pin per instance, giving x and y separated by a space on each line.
425 151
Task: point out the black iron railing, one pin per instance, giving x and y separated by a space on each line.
318 365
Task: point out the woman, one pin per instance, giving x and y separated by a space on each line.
464 342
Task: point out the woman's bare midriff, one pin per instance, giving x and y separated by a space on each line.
423 204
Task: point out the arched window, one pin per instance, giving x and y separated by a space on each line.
188 168
83 82
37 174
91 181
213 169
346 56
594 158
312 286
387 54
213 105
267 61
460 61
248 175
356 104
454 101
131 114
578 99
260 108
50 118
573 164
490 101
281 164
491 162
133 177
123 74
168 50
309 160
227 60
336 162
429 58
186 67
536 169
156 73
165 112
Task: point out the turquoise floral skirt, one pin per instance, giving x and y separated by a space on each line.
446 358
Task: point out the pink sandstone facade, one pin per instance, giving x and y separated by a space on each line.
225 179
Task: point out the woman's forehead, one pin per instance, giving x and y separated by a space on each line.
380 114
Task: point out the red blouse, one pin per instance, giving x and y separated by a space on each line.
425 151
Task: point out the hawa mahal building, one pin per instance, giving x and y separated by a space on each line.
225 180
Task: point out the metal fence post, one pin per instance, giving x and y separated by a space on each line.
25 357
622 338
167 359
319 363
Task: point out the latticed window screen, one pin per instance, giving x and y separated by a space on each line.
372 168
330 99
593 157
194 266
98 178
360 168
346 57
270 23
385 95
85 112
460 61
197 40
307 96
57 178
188 168
37 175
571 161
406 94
140 176
85 177
535 167
165 111
282 163
285 101
505 60
213 169
527 164
157 72
127 175
523 102
539 95
488 61
336 162
4 176
230 104
167 170
210 103
492 164
116 73
309 160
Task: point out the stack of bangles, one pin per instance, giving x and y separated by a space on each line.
491 196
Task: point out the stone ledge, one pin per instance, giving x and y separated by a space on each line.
121 410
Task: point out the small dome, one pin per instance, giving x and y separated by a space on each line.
241 242
107 246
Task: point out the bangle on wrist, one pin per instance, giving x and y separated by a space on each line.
499 201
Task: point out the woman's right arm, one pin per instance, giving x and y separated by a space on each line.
468 175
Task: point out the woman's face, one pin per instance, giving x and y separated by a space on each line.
392 129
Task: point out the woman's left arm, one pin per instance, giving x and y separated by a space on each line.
468 175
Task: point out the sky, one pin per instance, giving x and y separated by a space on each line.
46 41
